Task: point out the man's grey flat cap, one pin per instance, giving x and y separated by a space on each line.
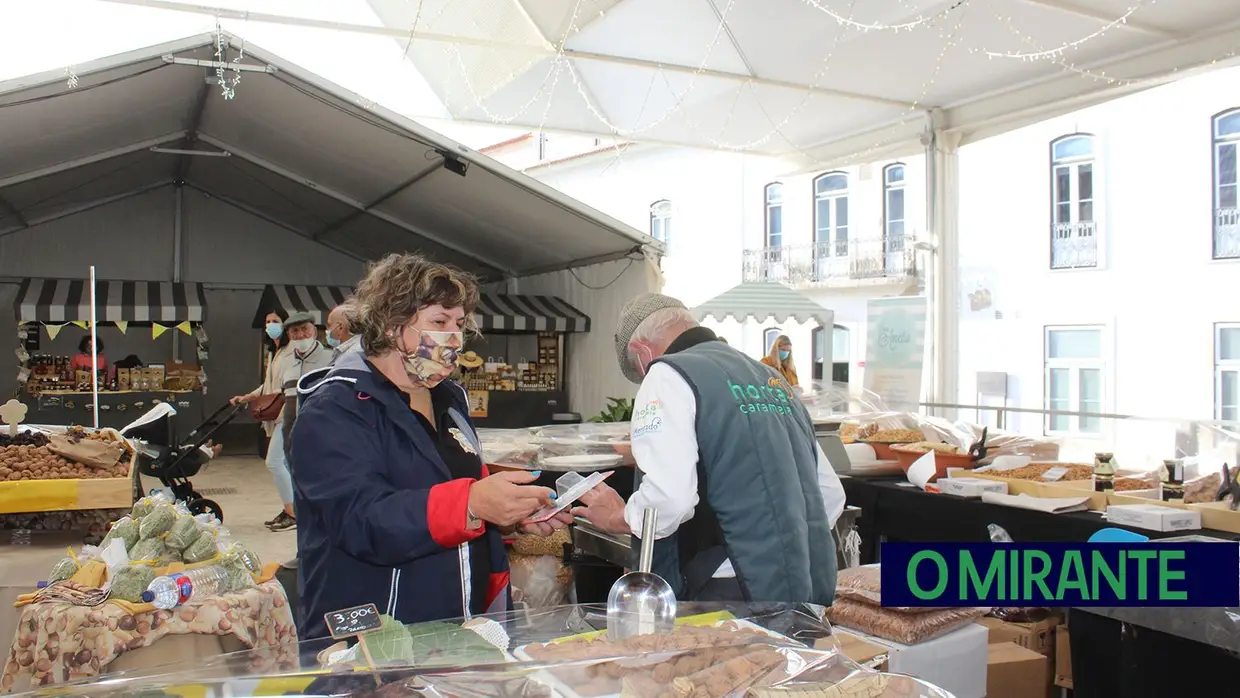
634 312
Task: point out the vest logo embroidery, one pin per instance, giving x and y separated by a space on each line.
463 440
647 419
773 397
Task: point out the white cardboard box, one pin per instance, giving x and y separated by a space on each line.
970 486
1154 517
955 662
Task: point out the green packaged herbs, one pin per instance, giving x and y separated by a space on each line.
66 568
183 533
157 521
130 581
202 549
149 550
126 530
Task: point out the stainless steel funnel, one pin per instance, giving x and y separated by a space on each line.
641 602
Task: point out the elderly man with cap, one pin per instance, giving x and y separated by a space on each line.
726 454
307 355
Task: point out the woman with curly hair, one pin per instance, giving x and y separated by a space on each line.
394 504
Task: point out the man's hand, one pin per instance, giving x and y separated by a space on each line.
604 508
548 527
506 499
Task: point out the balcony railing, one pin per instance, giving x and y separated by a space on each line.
1074 245
1227 233
827 262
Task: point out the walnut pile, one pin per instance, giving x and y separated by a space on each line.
39 463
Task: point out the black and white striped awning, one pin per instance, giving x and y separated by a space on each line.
502 313
288 299
68 300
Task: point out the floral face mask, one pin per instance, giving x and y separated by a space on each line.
434 358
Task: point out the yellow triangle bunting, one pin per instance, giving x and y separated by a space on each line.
185 328
122 325
53 330
158 329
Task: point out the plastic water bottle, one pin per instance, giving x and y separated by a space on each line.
172 590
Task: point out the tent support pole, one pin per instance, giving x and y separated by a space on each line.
178 247
94 351
942 223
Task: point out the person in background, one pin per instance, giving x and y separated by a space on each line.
308 356
277 355
83 362
780 359
727 456
389 474
340 335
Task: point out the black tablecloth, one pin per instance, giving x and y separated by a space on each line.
892 512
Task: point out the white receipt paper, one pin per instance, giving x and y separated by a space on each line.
1005 463
565 500
923 470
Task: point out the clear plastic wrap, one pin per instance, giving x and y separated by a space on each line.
717 651
588 446
864 585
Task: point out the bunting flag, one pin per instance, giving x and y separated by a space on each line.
53 330
158 329
84 324
121 325
185 328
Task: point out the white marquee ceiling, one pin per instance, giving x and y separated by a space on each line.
798 78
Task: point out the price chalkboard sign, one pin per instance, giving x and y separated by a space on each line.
352 621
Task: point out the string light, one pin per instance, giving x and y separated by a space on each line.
906 26
1064 48
227 91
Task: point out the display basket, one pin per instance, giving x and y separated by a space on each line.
38 496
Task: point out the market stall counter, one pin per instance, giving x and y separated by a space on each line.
96 604
715 651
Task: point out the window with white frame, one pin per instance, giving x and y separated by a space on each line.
661 221
1226 207
1074 240
774 214
1227 372
1075 374
831 214
768 338
893 217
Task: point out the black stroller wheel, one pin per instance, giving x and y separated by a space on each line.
206 506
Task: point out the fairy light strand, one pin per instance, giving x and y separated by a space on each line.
922 20
1059 51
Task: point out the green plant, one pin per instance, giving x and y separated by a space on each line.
619 409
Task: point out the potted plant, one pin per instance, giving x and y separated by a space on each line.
619 409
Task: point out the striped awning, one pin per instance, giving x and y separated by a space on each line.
762 300
503 313
68 300
288 299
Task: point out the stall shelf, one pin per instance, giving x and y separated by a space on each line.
740 649
169 315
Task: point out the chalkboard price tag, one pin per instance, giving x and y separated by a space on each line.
348 622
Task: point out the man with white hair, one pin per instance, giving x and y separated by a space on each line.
340 335
726 454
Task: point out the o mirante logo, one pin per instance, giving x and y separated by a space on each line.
1061 574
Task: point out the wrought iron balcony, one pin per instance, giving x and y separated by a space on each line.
832 262
1227 233
1074 245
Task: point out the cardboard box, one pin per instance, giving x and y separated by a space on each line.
1154 517
1063 658
864 653
1013 671
1038 636
955 662
971 487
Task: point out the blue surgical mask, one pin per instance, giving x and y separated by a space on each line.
332 341
784 354
275 330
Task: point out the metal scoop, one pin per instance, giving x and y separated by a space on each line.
641 602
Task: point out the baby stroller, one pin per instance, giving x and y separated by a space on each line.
152 436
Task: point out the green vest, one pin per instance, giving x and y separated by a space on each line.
759 501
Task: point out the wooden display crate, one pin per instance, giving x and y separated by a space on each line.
1097 501
35 496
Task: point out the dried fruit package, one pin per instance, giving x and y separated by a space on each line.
864 585
905 628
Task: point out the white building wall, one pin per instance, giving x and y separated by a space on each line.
1157 291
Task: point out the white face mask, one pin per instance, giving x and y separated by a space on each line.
304 346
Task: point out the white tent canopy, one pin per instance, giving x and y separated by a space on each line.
301 153
802 79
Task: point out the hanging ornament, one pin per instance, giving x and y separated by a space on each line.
53 330
158 329
122 325
185 328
